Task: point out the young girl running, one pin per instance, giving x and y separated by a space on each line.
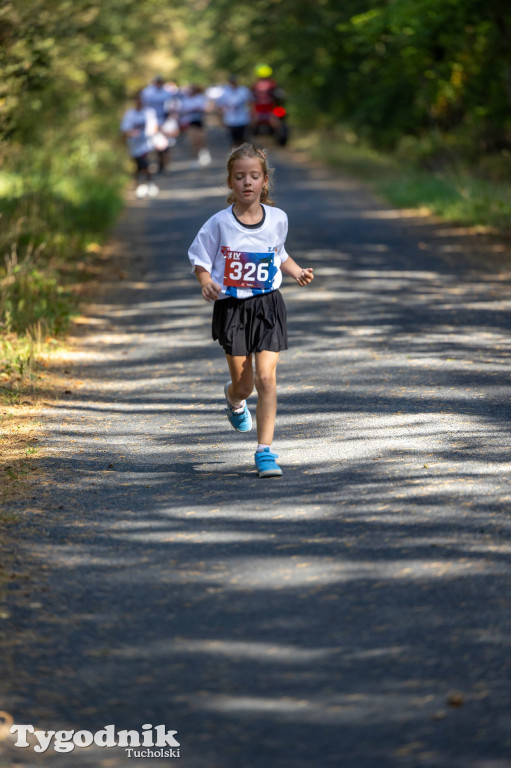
238 257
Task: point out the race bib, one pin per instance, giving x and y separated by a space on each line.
249 270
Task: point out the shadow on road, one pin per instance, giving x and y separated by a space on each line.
354 612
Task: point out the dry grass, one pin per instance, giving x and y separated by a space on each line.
19 455
20 447
46 378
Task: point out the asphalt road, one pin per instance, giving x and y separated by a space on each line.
353 613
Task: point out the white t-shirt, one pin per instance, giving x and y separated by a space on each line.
159 99
245 261
145 122
192 108
235 104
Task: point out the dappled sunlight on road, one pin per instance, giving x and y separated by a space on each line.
192 194
381 707
233 649
359 587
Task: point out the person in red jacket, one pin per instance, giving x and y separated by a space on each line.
265 91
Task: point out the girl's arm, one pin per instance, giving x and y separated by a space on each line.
291 268
210 289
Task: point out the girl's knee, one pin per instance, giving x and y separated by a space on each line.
265 381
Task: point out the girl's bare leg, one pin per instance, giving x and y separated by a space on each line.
242 378
197 139
266 385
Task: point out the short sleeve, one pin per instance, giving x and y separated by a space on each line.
281 248
204 248
151 121
126 122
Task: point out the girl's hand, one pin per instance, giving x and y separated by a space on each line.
305 277
210 290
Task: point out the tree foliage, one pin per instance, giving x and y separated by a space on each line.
65 60
427 74
388 67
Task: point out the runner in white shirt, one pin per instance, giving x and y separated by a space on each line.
235 102
139 125
238 257
161 97
192 111
243 260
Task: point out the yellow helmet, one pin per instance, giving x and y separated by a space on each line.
263 70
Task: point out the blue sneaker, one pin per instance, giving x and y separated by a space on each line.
241 418
266 465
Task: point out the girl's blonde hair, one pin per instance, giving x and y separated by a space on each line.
250 150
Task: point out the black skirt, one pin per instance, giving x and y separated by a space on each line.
245 326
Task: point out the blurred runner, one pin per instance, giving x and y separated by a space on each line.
166 138
161 97
139 125
193 107
235 102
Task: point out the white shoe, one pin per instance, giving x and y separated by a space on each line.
204 157
142 190
153 190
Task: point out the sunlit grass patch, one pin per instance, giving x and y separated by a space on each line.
456 191
57 204
19 448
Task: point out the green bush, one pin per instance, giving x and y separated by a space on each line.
414 177
55 201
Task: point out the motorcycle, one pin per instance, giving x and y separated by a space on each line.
281 131
272 121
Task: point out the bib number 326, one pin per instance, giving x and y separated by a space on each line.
248 270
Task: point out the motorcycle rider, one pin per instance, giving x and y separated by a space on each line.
267 96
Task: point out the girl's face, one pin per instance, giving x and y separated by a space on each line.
247 180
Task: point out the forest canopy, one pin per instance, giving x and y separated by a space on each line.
388 68
425 81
